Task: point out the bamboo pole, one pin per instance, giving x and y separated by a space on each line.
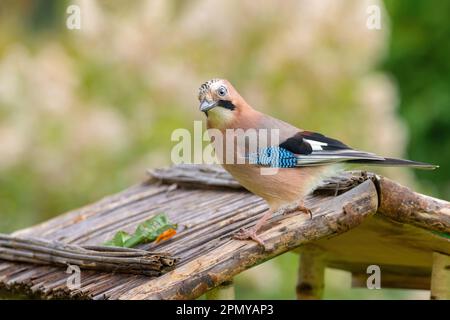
224 291
440 277
311 274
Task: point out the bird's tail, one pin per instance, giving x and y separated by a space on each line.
392 162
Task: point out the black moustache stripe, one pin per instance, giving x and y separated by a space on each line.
226 104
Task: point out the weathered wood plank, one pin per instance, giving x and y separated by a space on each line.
197 175
201 229
331 217
209 206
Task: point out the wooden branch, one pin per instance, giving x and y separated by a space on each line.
344 182
403 205
331 217
112 259
311 274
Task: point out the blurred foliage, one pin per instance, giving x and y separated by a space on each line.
84 112
420 61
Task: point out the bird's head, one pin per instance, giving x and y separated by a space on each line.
220 101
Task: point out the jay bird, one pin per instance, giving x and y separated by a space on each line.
302 158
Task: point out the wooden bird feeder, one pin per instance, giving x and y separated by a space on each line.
371 220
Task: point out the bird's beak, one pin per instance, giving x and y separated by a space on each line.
206 105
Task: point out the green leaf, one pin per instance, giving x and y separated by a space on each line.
119 239
145 232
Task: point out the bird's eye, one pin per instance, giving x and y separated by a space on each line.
222 91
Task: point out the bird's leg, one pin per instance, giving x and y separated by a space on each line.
246 234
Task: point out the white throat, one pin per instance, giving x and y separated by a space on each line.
219 117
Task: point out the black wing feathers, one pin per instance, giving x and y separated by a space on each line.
297 145
313 148
331 143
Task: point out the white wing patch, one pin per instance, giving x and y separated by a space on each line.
316 145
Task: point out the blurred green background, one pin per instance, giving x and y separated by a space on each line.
84 112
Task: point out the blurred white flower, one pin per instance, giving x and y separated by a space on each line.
51 80
93 20
13 146
377 95
44 82
12 66
100 128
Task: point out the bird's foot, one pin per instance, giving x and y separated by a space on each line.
297 207
248 234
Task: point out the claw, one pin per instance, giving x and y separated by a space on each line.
248 234
305 210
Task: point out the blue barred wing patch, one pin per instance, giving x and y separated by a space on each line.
274 157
